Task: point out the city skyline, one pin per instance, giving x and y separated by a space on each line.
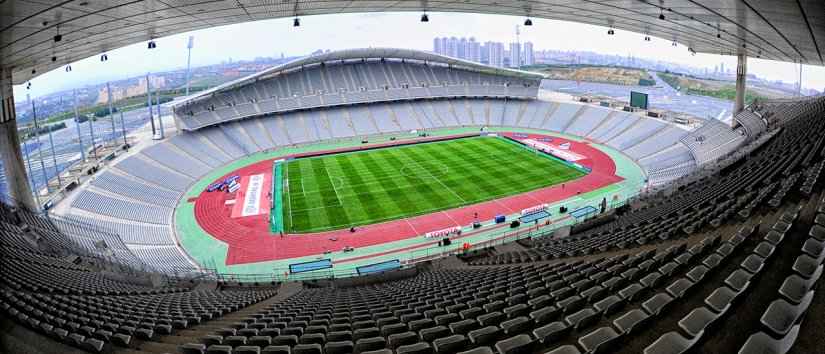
254 39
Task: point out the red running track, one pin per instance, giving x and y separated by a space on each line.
249 239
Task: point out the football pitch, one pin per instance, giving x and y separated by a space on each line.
359 188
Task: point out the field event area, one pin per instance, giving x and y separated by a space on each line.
360 188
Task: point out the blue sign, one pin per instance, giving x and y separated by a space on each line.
379 267
310 266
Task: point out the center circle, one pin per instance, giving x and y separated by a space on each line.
421 172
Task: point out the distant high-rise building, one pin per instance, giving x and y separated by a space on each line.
473 50
529 55
437 48
462 48
515 55
495 52
485 53
452 47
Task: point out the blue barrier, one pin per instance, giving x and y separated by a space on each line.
310 266
534 216
379 267
583 212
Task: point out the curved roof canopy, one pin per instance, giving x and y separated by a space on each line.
786 30
360 53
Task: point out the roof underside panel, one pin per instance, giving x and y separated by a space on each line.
786 30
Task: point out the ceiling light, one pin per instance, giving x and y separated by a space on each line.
58 37
296 22
425 18
610 32
151 44
674 43
647 38
104 57
34 71
54 59
528 22
68 68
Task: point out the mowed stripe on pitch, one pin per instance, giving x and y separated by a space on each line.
359 188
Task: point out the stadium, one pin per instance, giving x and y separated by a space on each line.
389 200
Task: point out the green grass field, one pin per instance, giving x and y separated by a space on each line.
360 188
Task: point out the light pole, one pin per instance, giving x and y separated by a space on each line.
189 46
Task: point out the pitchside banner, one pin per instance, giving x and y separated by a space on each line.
252 197
561 151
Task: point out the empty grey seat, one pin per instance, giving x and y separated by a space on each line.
582 318
599 340
764 249
753 264
416 348
629 292
720 299
308 349
247 349
739 280
368 344
781 315
671 343
695 323
565 349
765 344
219 349
479 350
657 303
192 348
450 344
697 273
794 288
276 349
463 326
429 334
817 231
774 237
552 332
651 280
520 344
545 315
679 287
806 266
712 261
516 325
340 347
609 305
814 248
399 339
484 336
627 322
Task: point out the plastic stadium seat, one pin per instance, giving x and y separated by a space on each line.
463 326
806 266
599 340
399 339
739 280
814 248
753 264
484 336
451 344
818 231
368 344
192 348
479 350
609 305
679 287
416 348
219 349
582 318
520 344
764 249
781 316
630 320
247 349
794 288
552 332
565 349
671 343
657 303
516 325
695 322
342 347
765 344
720 299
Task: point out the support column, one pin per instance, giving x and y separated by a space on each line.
741 75
15 170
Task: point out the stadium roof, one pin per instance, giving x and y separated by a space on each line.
786 30
360 53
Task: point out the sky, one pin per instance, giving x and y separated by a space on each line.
273 37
